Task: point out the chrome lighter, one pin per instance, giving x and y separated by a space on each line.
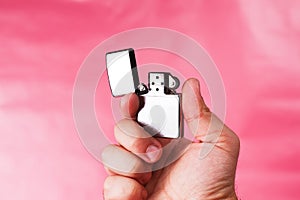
160 106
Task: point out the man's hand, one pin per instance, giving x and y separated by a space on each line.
130 163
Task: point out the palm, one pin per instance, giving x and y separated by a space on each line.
191 177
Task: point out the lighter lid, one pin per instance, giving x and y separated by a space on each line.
122 72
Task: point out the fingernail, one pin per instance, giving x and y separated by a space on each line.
153 153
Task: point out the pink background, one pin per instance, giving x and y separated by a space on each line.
256 45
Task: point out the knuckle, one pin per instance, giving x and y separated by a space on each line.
108 183
139 168
122 126
114 188
136 165
119 127
106 153
116 131
119 124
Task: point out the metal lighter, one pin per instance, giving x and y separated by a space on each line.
160 106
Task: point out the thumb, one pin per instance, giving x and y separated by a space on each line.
195 111
206 126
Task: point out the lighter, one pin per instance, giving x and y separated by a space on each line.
160 106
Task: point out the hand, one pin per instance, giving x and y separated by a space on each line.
130 163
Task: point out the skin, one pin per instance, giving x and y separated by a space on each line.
193 175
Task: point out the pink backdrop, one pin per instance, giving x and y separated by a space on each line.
256 45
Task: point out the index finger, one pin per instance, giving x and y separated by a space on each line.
129 105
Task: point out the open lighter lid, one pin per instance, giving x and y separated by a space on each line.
122 72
